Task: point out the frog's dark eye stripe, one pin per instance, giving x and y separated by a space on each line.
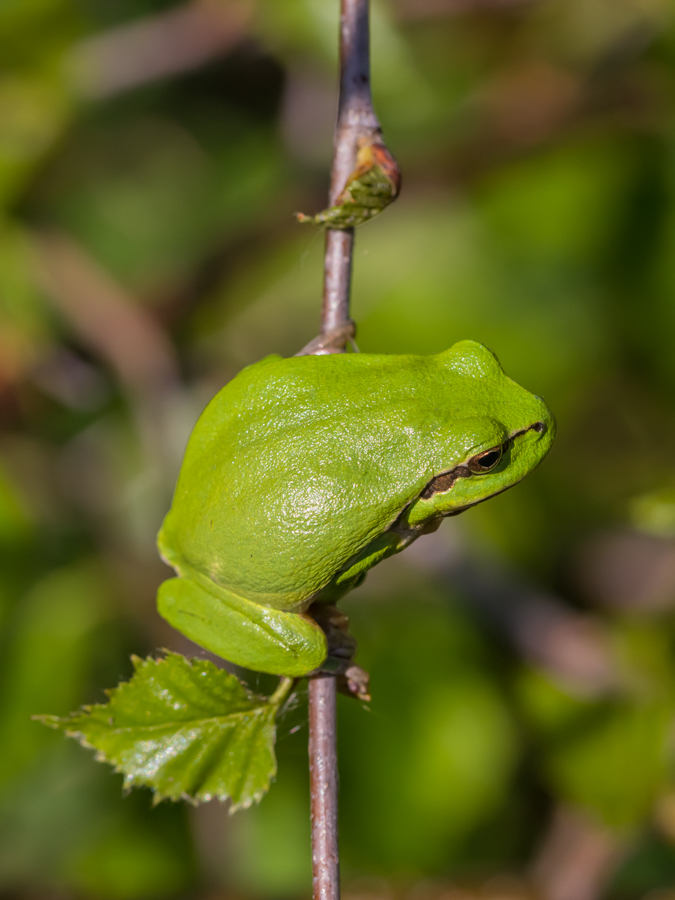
478 465
485 461
442 483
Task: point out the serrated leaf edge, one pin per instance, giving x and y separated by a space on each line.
132 781
272 702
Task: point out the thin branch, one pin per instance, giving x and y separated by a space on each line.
356 121
323 778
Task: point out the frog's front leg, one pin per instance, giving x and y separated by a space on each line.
241 631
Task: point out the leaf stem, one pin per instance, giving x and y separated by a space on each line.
282 691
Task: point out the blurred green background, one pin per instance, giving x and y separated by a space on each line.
520 742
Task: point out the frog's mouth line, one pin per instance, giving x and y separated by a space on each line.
444 482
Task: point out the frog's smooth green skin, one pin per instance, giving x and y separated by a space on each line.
303 473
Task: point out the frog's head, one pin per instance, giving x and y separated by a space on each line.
506 433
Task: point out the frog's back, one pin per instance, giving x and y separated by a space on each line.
297 464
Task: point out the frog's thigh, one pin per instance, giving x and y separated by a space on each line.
243 632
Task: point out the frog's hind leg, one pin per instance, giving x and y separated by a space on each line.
243 632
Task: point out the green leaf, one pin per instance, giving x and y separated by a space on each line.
184 728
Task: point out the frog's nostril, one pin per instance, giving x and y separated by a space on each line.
538 427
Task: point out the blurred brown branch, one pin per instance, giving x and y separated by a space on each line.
422 9
573 647
114 327
577 858
158 46
104 316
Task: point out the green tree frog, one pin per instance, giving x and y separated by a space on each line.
303 473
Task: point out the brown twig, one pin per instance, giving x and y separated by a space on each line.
323 778
356 121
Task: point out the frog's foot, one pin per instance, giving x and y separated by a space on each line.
351 679
241 631
331 341
355 682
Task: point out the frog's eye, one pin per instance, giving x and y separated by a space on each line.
486 461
